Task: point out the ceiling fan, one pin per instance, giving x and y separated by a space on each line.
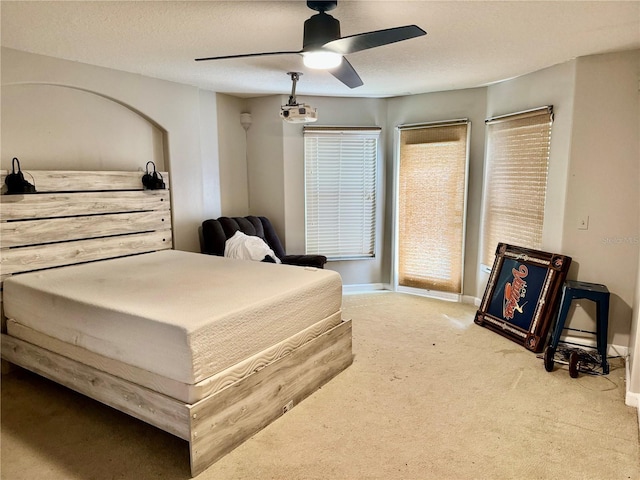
323 47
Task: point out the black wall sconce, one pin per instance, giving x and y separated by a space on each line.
15 182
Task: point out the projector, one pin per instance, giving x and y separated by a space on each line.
298 113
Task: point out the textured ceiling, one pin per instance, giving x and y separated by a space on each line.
469 43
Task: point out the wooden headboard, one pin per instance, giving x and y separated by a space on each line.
81 216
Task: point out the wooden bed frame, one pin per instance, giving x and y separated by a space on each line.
79 217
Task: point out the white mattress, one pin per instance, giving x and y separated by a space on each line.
180 315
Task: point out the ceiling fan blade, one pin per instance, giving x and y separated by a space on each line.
364 41
246 55
346 74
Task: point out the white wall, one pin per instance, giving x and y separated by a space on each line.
265 154
105 97
633 386
603 185
56 125
210 173
234 191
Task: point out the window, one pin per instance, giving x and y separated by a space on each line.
341 182
432 179
517 163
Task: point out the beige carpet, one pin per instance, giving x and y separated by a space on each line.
430 396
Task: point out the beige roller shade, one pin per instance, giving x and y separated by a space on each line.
517 164
431 204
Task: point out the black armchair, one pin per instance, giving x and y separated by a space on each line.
215 233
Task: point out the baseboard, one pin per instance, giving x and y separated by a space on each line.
469 300
612 350
375 287
364 288
449 297
379 287
631 399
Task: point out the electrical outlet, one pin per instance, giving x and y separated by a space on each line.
287 407
583 223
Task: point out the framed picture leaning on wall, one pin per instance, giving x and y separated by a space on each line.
522 294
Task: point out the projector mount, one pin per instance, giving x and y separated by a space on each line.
295 76
294 112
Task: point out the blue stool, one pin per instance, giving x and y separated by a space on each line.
574 290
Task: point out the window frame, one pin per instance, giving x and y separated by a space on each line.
396 208
345 132
487 252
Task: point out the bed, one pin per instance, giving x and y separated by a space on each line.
206 348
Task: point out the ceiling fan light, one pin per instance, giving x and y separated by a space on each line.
322 60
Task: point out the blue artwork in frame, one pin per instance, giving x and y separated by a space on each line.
522 294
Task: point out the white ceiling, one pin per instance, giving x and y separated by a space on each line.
468 43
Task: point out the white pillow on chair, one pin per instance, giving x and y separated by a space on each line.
248 247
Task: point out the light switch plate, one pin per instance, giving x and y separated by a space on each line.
583 223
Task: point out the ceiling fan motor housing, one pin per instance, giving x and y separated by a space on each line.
322 6
318 30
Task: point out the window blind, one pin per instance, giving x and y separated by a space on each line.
517 164
341 182
431 206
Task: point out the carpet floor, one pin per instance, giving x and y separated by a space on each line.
430 395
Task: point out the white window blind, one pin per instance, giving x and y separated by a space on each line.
341 174
432 178
515 186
